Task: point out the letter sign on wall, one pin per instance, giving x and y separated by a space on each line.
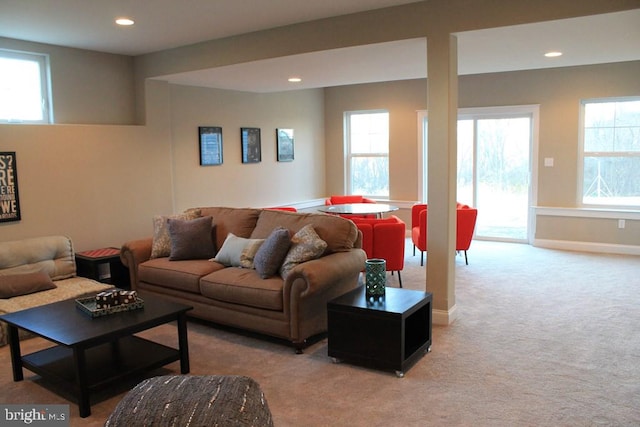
9 201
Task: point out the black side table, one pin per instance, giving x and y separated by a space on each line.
392 333
88 265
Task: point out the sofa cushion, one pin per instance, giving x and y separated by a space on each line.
271 254
339 233
239 221
243 286
305 246
53 255
161 244
190 239
182 275
238 251
13 285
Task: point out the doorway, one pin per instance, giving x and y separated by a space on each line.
495 168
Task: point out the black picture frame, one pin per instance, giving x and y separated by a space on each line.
285 144
210 143
251 145
9 195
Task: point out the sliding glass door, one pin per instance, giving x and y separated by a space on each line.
494 170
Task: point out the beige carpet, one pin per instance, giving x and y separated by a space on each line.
543 338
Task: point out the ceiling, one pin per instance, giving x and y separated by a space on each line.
164 24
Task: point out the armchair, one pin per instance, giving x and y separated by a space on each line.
419 232
465 226
343 200
384 238
283 208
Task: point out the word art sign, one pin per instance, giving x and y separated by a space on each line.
9 201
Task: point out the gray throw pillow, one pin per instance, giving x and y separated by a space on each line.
269 257
161 243
190 239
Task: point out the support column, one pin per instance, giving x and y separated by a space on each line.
442 104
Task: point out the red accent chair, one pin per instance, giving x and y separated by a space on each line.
283 208
384 238
344 200
465 226
418 236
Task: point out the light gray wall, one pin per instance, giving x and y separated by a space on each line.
98 184
233 183
87 87
557 91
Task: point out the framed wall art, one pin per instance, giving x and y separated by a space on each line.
210 139
9 199
284 139
251 149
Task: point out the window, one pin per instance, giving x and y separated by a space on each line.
24 88
367 148
611 152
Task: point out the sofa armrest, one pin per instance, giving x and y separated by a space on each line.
325 271
134 252
312 284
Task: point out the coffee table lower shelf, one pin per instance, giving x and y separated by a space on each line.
92 353
105 364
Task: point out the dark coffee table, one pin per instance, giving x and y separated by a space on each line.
93 353
390 333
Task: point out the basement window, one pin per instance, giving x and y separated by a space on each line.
24 87
611 152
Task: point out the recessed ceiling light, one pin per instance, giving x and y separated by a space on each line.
553 54
124 21
295 79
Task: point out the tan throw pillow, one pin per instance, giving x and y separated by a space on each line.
305 246
249 252
13 285
233 248
161 245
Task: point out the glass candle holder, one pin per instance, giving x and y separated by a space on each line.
375 277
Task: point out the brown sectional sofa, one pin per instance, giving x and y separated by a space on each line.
293 309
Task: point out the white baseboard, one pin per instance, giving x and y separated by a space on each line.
587 246
444 317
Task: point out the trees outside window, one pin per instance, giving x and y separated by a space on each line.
367 149
611 152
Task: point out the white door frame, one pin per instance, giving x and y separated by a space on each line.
480 112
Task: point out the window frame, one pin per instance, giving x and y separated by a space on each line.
349 156
582 154
42 59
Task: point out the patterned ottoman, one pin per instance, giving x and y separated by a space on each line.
189 400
